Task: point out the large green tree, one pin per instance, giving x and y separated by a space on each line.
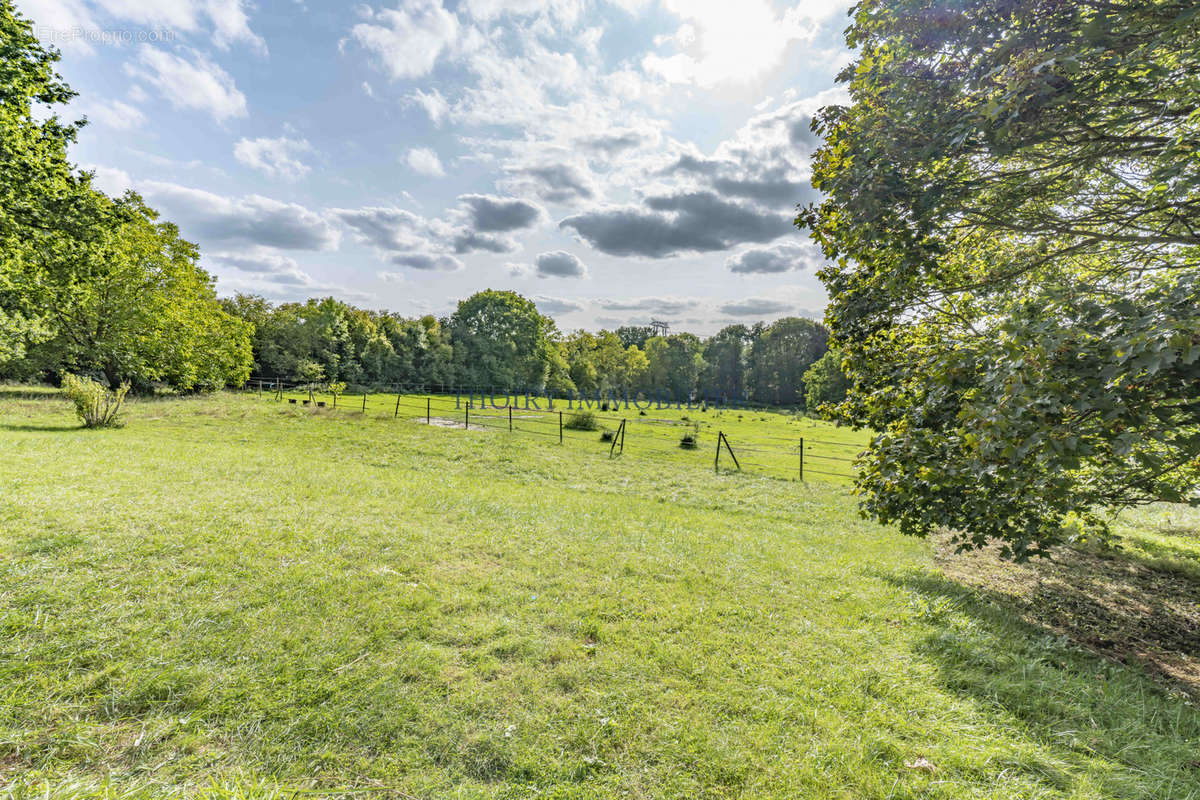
501 342
39 193
725 357
1011 209
780 354
133 304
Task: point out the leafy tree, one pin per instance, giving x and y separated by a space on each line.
131 303
779 356
634 335
674 364
725 363
824 382
500 340
38 190
1011 210
580 351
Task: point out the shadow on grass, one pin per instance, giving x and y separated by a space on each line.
29 393
1112 604
1045 662
40 428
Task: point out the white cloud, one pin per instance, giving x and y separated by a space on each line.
73 25
408 41
726 42
251 219
433 103
198 84
278 158
115 114
425 162
110 179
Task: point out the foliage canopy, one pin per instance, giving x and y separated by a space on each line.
1011 210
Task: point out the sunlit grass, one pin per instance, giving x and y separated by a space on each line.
229 596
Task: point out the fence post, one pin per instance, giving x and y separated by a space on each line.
364 402
732 454
510 419
428 416
467 418
801 458
396 413
560 439
260 388
618 436
717 460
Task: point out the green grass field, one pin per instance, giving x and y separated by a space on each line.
763 442
233 597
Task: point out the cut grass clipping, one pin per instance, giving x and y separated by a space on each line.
265 600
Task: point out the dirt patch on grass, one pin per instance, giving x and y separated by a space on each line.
1106 602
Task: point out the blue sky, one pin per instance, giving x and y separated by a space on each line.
615 160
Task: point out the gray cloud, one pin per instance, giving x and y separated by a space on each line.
554 183
666 306
428 261
559 264
385 228
767 191
252 219
500 214
775 259
754 307
469 241
672 224
617 141
556 305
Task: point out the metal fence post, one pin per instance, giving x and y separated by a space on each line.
428 417
717 460
560 438
510 419
801 458
467 418
364 402
396 413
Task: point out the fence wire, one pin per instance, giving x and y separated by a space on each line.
777 456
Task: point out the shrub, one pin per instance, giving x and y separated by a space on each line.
607 436
582 421
691 439
96 406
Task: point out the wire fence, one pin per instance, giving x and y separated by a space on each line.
633 430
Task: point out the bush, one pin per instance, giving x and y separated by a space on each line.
691 440
582 421
96 406
607 436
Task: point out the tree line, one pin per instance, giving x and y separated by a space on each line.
99 285
497 340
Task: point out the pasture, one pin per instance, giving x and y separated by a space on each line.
764 442
231 597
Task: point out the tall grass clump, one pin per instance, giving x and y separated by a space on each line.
97 406
582 421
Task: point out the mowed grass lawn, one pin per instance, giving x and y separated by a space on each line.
241 598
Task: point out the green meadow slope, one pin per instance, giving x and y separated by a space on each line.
232 597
